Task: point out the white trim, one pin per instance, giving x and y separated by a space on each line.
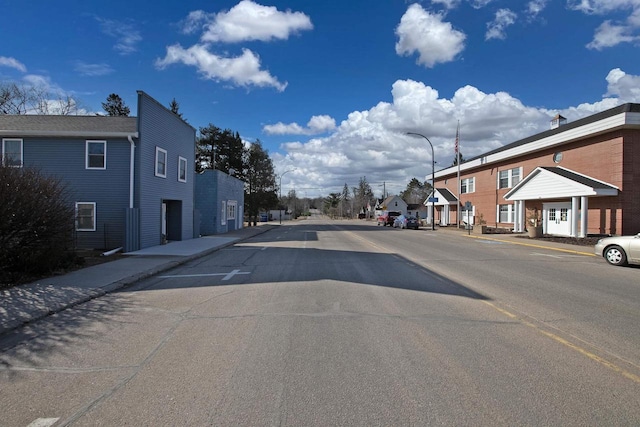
94 216
511 213
68 134
166 163
180 161
223 216
86 154
232 205
468 180
588 130
2 154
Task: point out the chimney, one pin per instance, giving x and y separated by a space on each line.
558 121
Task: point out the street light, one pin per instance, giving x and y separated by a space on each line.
433 180
281 175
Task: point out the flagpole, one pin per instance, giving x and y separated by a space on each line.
458 162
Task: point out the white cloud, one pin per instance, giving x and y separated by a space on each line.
600 7
196 21
92 70
248 21
316 125
12 63
126 34
448 4
435 41
535 7
611 33
478 4
373 143
624 86
243 70
496 29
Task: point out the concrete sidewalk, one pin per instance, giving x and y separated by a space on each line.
522 240
30 302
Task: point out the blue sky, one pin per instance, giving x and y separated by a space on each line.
331 87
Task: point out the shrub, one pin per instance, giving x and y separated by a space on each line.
36 224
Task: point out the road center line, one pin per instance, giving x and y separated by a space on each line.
633 377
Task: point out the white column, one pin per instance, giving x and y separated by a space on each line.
517 220
584 215
574 216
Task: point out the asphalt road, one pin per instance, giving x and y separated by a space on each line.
343 323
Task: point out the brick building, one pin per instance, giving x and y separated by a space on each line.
577 178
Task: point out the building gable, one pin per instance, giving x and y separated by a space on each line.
557 182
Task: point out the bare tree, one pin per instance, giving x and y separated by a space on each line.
14 99
24 99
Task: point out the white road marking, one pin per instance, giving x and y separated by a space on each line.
43 422
227 276
555 256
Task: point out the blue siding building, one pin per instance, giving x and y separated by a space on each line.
165 174
131 179
219 200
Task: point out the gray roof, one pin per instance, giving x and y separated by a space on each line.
448 195
624 108
60 126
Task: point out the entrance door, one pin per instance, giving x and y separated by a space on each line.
558 218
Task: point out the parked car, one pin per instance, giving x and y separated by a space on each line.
387 218
412 222
619 250
406 222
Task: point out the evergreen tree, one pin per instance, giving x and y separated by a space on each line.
363 195
344 199
455 160
416 191
221 150
175 108
260 180
115 106
331 204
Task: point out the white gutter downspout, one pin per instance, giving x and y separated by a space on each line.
131 170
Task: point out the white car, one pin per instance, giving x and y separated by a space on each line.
620 250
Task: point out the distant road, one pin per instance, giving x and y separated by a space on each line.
322 323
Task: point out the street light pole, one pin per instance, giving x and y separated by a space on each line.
281 175
433 180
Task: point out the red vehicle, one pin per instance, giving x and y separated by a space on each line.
387 218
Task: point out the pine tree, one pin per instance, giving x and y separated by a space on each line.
115 106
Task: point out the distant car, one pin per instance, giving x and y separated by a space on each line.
619 250
413 222
405 222
387 218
